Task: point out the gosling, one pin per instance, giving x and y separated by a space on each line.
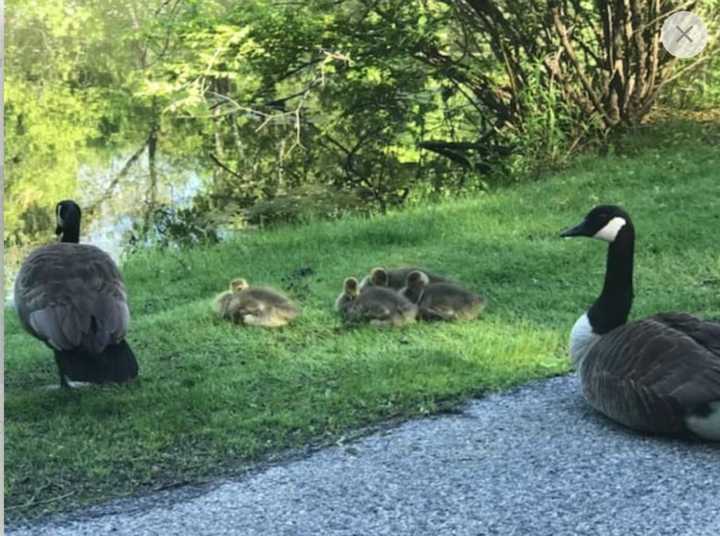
395 278
255 306
442 300
377 306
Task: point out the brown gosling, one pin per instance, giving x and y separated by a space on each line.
442 300
376 306
255 306
395 278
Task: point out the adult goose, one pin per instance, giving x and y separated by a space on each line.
72 297
660 374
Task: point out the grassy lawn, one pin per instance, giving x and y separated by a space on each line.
213 397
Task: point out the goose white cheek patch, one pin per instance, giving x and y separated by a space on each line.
611 229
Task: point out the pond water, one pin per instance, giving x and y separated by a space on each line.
109 226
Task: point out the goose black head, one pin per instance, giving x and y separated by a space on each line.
604 222
68 216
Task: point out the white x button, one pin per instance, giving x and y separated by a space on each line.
684 35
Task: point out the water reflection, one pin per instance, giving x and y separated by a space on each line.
109 214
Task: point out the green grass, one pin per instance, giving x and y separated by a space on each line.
213 397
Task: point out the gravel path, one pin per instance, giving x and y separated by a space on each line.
534 461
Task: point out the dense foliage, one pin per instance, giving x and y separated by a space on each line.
314 108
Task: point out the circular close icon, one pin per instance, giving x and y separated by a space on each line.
684 35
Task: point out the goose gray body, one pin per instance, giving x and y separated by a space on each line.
660 374
72 297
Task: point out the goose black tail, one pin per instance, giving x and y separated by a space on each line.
116 364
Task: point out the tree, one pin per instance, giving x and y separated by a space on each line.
384 98
73 77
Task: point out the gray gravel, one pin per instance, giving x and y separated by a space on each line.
535 461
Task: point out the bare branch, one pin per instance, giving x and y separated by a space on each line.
562 30
124 170
224 166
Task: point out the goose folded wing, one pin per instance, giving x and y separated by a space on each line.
66 325
438 312
696 378
247 305
70 301
705 333
377 311
109 322
650 373
57 325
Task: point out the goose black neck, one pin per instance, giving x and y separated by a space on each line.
71 233
612 307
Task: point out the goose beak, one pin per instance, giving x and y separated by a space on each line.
579 230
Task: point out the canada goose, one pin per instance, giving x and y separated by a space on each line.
376 305
395 278
441 301
660 374
255 306
72 297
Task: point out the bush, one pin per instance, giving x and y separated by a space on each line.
167 226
